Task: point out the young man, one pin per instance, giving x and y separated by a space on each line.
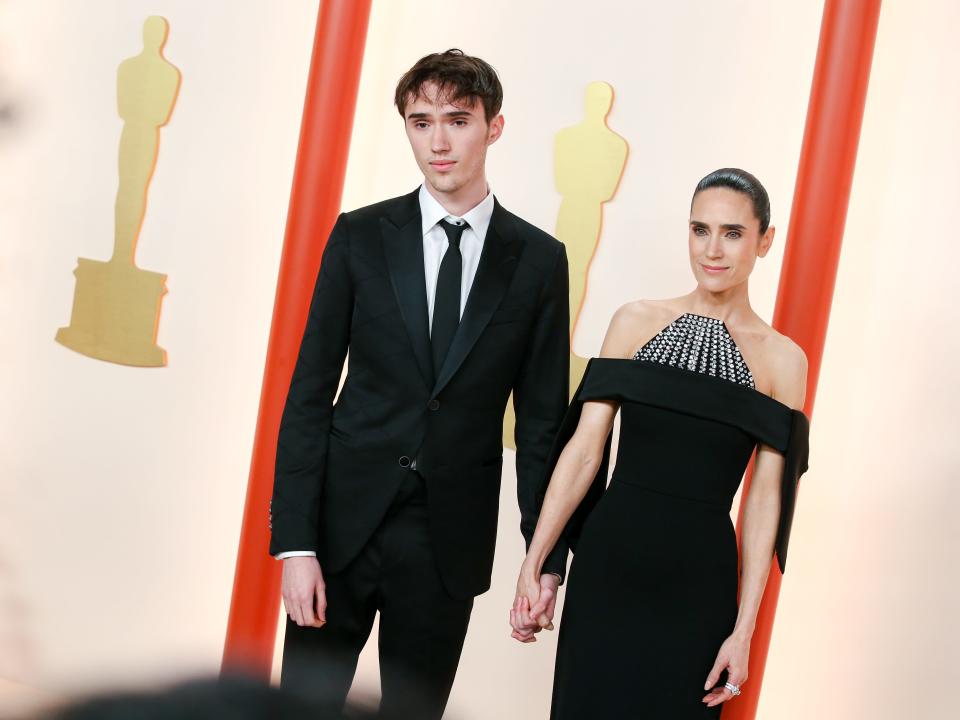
388 500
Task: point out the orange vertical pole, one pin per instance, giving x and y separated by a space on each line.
825 174
321 162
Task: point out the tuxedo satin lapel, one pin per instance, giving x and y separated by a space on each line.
498 261
403 248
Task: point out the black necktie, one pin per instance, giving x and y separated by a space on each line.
446 301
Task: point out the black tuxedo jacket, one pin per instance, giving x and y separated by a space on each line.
339 465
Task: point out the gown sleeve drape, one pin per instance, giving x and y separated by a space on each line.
765 419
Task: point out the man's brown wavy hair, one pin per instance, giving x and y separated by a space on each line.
460 77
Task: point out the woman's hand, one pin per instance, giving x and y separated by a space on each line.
733 657
533 592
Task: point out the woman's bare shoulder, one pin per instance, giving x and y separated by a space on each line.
786 363
636 322
645 311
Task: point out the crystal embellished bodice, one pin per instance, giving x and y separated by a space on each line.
701 344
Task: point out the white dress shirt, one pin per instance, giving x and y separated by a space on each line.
435 244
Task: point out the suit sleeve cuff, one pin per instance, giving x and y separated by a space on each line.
556 562
295 553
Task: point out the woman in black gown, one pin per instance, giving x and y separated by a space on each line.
652 627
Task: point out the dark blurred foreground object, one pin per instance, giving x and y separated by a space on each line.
233 698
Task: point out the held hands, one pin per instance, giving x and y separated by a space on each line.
304 593
534 604
733 657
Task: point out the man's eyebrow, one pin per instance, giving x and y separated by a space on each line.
452 113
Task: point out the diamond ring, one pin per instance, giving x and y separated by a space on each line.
734 689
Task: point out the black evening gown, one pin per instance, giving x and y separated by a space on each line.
652 591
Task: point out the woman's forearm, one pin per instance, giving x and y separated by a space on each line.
761 514
575 471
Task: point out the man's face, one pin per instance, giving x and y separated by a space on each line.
450 141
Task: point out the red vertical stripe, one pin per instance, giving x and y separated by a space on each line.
314 204
827 159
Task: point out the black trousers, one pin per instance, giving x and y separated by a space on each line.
421 627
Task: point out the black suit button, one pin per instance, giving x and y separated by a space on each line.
434 404
404 461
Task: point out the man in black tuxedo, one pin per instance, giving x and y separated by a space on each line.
446 302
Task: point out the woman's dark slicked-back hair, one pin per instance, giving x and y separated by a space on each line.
459 77
743 182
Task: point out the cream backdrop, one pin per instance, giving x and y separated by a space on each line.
122 488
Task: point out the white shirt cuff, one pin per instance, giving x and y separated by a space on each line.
295 553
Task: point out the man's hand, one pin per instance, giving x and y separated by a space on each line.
534 605
304 593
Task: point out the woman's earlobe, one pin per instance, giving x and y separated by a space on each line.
766 242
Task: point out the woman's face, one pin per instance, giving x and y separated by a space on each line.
725 239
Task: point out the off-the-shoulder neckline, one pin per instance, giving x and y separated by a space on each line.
674 369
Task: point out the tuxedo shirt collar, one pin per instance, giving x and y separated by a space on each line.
432 212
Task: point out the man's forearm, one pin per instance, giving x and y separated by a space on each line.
540 396
305 424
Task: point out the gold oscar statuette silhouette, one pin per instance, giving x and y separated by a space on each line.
588 163
116 305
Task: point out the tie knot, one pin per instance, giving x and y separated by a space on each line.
454 232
